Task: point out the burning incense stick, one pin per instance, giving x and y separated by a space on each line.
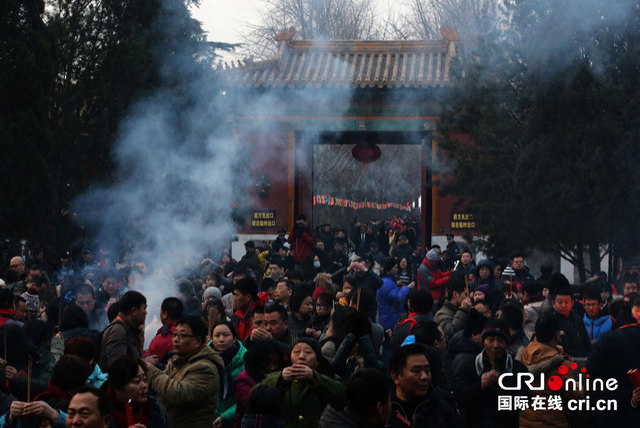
29 365
358 299
129 410
4 338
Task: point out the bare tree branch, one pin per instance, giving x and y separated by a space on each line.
313 20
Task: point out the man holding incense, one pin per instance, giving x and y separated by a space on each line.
452 316
475 383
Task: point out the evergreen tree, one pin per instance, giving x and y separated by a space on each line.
546 103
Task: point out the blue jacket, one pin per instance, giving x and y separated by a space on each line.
596 327
391 300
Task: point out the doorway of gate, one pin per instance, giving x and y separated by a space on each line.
364 178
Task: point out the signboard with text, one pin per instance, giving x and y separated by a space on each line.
462 221
263 219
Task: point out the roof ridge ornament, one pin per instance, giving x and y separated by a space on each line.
286 36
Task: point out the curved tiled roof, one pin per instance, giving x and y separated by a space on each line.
349 64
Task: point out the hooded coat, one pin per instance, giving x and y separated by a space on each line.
188 387
541 358
596 327
429 278
391 300
490 284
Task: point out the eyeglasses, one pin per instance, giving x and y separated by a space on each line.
181 335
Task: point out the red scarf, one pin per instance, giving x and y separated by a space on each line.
119 412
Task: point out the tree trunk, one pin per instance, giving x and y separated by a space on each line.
581 268
594 257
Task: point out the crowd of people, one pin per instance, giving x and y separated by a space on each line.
355 327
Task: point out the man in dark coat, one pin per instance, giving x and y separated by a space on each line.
250 259
615 353
368 402
475 382
414 402
575 340
123 336
522 271
325 234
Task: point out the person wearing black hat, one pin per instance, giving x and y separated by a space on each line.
391 296
280 239
348 246
403 249
337 259
250 259
305 389
87 260
475 383
452 247
302 242
325 234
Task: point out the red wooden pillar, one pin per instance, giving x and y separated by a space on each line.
426 209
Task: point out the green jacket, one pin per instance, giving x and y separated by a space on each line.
227 407
188 387
451 318
305 401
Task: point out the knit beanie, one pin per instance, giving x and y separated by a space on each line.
433 255
314 345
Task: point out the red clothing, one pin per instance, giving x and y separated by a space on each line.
162 344
242 321
9 317
317 292
432 279
302 246
243 384
140 414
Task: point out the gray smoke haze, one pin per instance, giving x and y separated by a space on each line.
178 166
180 170
174 185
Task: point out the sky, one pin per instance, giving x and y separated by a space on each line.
224 20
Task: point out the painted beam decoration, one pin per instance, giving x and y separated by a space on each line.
462 221
263 219
348 203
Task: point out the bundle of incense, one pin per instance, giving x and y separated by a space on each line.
129 410
29 365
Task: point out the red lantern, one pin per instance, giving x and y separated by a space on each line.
365 153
